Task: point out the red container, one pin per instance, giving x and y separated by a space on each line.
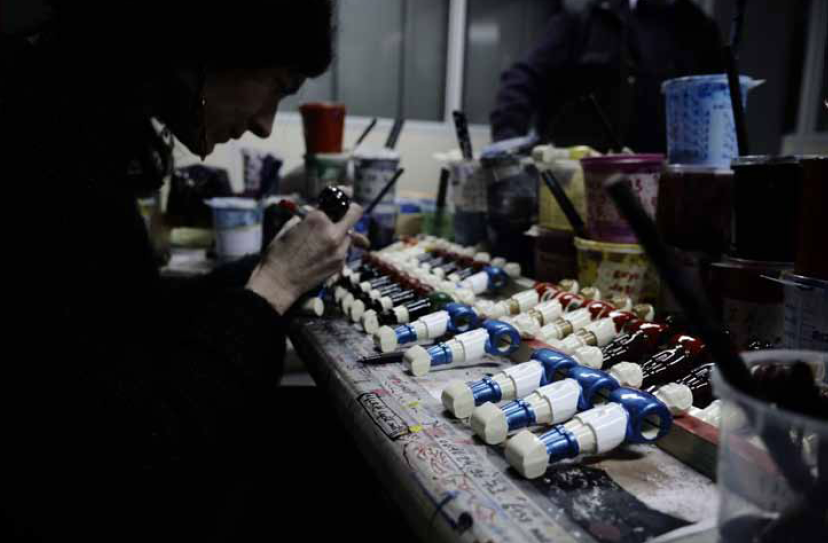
604 223
324 125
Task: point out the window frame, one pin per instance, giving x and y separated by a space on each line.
454 81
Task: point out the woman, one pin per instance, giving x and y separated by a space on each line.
141 409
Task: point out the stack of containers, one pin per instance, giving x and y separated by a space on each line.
610 259
730 221
555 255
325 162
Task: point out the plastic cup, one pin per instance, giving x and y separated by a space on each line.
324 125
238 227
468 186
604 223
373 169
760 446
700 126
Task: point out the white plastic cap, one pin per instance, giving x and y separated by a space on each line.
489 423
527 454
339 293
512 269
627 374
386 303
591 293
604 331
569 285
677 397
458 400
499 261
483 257
439 273
386 339
370 322
346 302
401 313
417 360
365 287
357 310
646 311
314 307
590 357
464 296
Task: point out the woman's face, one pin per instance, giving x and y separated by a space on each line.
238 101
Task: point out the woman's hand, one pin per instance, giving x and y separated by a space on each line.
303 258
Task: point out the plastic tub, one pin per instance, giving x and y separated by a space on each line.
238 227
616 268
604 223
700 126
759 447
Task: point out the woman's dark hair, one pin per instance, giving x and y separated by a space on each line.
99 62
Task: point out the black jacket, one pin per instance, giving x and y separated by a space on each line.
132 406
581 53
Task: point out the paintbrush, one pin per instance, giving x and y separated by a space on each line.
365 132
566 204
394 136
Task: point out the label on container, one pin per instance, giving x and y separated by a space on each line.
806 318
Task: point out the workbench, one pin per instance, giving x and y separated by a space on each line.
453 487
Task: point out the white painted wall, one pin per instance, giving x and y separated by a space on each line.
417 145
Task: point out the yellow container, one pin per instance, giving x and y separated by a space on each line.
617 268
565 165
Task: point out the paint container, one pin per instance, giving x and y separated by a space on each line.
324 125
604 223
766 197
753 489
555 255
512 196
324 170
238 227
700 126
694 208
616 268
811 253
373 169
806 312
751 305
468 191
565 165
